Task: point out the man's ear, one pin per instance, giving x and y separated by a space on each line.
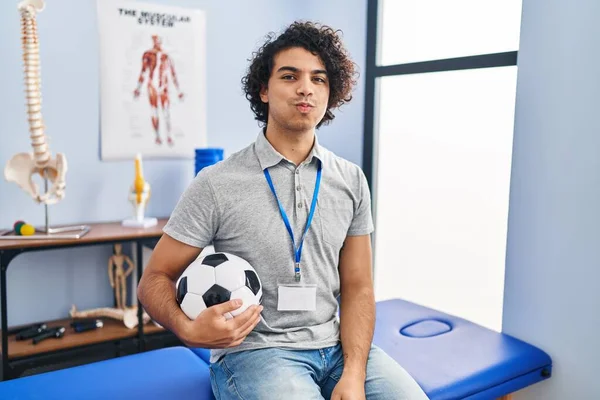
264 94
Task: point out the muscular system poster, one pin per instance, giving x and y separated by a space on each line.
152 80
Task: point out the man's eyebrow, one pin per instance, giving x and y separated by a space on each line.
294 69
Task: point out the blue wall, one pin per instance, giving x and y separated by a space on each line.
552 289
43 285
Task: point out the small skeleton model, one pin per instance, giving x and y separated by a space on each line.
117 275
23 166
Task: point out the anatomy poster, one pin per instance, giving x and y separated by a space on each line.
152 80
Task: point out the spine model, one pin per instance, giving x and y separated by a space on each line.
23 166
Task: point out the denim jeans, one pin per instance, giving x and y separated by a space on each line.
275 373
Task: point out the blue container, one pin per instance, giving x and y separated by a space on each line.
208 159
209 151
207 156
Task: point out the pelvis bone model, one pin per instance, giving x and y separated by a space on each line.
22 167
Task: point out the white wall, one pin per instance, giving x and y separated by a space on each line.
552 289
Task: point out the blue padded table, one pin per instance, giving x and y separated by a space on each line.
169 373
452 358
204 354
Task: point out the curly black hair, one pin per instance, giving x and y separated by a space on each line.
320 40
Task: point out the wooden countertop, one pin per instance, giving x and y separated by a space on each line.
99 232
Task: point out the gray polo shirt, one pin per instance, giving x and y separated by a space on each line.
231 206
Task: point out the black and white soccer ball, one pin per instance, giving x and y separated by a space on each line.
215 279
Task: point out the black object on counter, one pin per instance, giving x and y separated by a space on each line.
31 332
57 332
13 331
87 326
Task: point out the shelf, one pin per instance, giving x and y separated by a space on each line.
99 233
112 330
14 353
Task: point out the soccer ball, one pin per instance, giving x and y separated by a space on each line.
215 279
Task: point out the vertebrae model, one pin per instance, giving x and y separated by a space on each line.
23 166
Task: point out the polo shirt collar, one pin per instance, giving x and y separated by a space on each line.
268 156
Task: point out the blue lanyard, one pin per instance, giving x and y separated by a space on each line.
286 221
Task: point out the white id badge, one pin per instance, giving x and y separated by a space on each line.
296 297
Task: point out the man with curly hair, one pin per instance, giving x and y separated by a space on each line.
301 216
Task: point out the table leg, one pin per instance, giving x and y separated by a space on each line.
140 269
5 259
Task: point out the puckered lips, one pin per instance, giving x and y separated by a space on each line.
304 107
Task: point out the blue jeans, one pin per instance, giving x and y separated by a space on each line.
275 373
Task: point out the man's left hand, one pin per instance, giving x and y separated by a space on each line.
349 388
